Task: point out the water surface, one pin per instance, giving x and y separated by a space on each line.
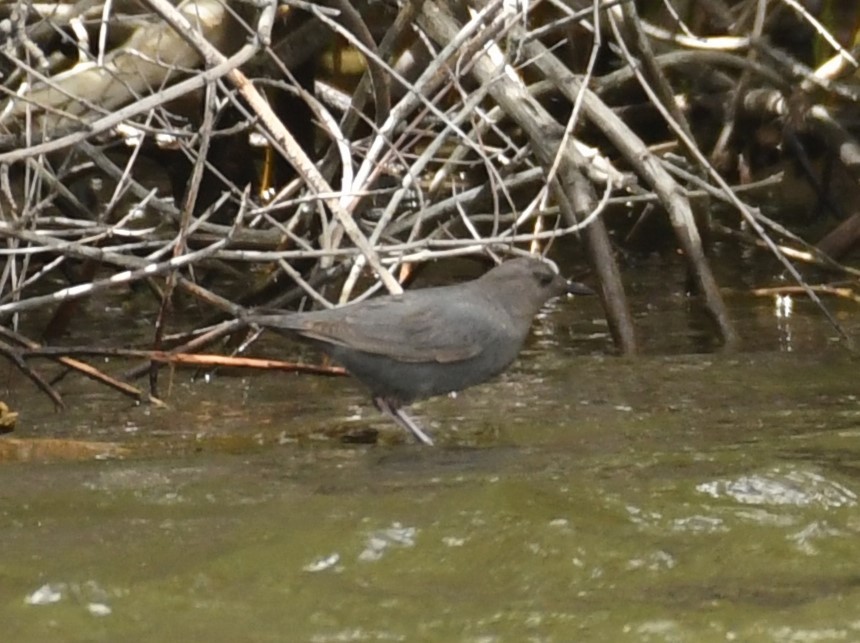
679 496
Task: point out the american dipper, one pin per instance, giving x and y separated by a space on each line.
430 341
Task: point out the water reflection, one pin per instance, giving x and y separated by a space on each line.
579 497
795 487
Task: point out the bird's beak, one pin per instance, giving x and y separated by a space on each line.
576 288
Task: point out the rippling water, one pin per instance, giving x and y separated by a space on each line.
581 497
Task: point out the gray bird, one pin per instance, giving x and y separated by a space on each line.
430 341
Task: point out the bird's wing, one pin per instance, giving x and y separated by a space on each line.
404 328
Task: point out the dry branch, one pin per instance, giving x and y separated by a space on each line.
452 144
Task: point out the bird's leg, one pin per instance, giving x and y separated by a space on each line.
398 415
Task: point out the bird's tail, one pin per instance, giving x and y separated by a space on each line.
275 321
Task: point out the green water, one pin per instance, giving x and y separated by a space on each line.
581 497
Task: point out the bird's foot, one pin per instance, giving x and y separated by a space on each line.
398 415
